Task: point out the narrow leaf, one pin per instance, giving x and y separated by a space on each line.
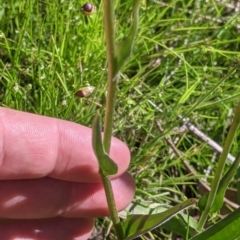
136 225
181 224
226 229
219 199
188 93
180 227
106 165
124 48
238 186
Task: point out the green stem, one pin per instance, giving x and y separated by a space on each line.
112 66
112 207
108 122
111 97
221 164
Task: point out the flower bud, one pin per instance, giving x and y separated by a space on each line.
88 9
84 91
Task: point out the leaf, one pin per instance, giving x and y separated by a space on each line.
203 201
238 186
181 227
182 224
106 165
136 225
124 48
188 93
226 229
219 199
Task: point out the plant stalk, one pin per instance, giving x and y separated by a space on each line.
108 11
112 66
112 207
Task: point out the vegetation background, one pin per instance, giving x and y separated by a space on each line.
185 64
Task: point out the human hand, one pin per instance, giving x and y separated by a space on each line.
49 182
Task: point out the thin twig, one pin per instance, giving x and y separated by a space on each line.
189 126
189 167
205 138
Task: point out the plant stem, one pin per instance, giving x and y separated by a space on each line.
111 97
221 164
108 121
112 207
112 66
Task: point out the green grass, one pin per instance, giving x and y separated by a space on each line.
186 62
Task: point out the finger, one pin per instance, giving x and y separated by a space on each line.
33 146
47 229
47 197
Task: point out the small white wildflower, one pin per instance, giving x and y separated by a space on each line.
64 103
8 65
16 87
28 87
43 77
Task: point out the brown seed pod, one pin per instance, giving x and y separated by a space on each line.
84 91
88 9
